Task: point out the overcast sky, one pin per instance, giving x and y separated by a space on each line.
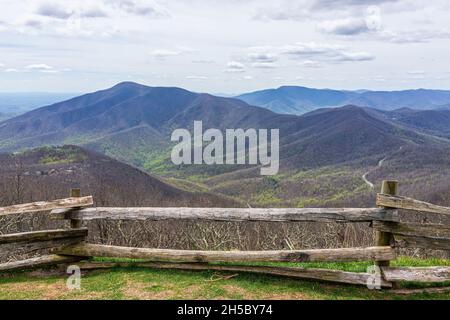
224 46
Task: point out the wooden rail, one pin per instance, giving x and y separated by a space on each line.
319 255
69 245
47 235
233 214
428 274
42 261
47 205
410 204
355 278
30 242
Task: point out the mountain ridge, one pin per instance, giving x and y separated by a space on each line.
299 100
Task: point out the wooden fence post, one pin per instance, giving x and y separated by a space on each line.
75 224
386 238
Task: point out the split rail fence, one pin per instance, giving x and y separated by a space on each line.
69 246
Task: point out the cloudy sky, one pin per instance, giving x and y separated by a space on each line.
223 46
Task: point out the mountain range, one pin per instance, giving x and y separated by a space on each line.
300 100
323 153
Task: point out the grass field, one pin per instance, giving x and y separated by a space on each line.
142 283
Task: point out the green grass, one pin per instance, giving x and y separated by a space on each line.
144 283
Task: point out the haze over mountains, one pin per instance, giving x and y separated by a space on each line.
130 116
300 100
329 147
14 104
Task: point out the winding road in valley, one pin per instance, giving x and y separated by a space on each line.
380 164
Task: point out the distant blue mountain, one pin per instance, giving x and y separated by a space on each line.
13 104
300 100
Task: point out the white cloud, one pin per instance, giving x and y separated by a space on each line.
333 4
196 77
53 10
33 23
235 67
325 52
140 7
12 70
39 67
349 26
309 48
264 65
262 57
203 61
310 64
416 72
109 41
164 53
93 12
353 56
416 36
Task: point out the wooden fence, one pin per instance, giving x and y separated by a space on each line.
68 246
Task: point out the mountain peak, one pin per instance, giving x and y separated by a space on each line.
129 84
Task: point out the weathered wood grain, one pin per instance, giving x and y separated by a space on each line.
46 260
323 255
413 229
410 204
46 235
383 238
19 248
75 193
47 205
434 243
428 274
290 272
236 214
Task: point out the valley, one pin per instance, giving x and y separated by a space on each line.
324 154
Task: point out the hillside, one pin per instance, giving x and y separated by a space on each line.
49 173
436 122
299 100
323 154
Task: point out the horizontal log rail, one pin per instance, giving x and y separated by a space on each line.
20 248
233 214
41 261
337 276
319 255
434 243
413 229
47 205
410 204
425 274
30 242
46 235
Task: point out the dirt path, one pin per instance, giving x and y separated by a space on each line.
379 165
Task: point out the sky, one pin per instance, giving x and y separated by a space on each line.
226 47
